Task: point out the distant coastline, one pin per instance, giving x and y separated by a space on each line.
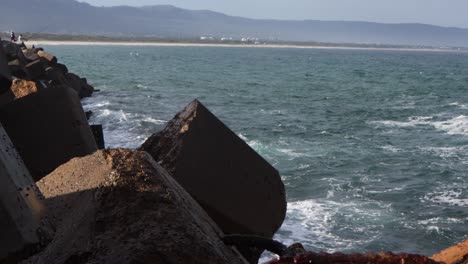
241 45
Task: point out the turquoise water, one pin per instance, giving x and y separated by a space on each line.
371 145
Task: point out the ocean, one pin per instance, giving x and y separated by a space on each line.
372 145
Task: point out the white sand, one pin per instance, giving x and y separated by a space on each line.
178 44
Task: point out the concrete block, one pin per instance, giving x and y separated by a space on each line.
48 128
49 57
13 51
35 69
5 74
62 67
19 88
23 226
55 75
74 82
239 189
31 55
120 206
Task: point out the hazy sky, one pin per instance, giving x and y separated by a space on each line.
437 12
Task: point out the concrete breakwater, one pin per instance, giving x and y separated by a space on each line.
171 201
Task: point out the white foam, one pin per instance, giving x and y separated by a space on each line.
391 148
154 121
412 121
449 197
440 220
314 223
461 106
447 152
455 126
292 153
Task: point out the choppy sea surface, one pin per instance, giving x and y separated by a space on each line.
371 145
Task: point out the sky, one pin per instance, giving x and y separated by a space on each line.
453 13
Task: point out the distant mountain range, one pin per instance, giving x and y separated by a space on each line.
163 21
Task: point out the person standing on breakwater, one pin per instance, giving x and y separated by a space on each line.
12 36
20 38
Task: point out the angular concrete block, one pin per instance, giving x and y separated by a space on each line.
31 55
22 88
48 128
120 206
13 51
35 69
5 74
55 75
74 82
19 88
23 226
239 189
62 67
49 57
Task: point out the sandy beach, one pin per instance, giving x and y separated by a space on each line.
180 44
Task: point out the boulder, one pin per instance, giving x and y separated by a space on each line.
239 189
23 225
5 74
120 206
48 128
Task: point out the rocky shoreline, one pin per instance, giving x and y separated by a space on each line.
192 193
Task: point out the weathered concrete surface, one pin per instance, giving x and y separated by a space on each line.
120 206
241 191
23 226
457 254
19 88
48 128
5 74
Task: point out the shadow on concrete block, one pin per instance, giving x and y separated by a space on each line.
239 189
5 74
23 226
48 128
